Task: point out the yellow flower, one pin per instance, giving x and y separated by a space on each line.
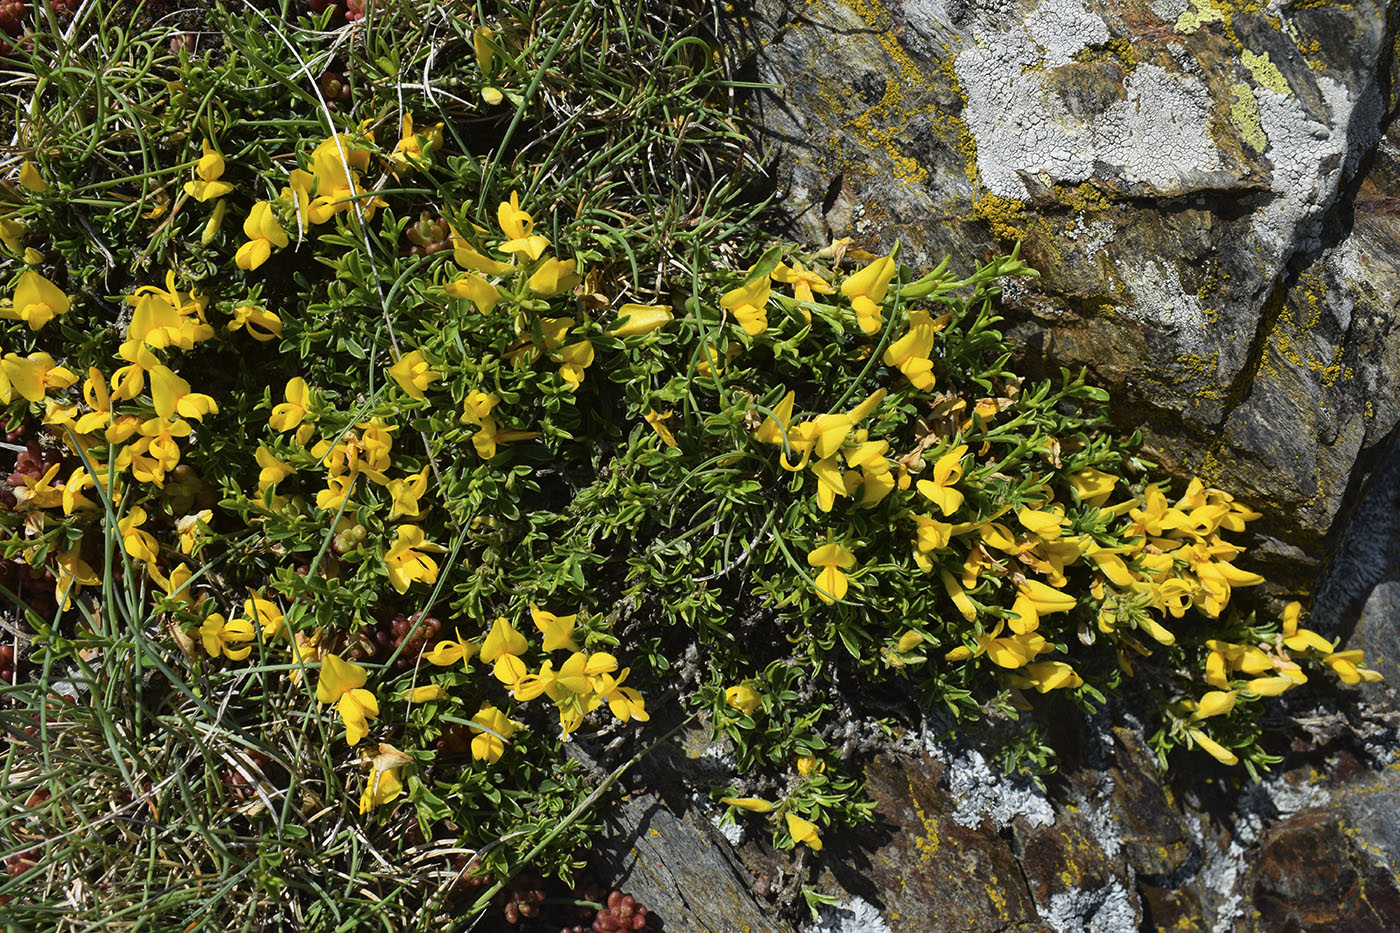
1213 748
804 282
405 494
264 233
748 303
382 787
485 53
37 300
342 683
1215 703
477 290
448 652
207 172
264 613
188 531
743 698
40 493
171 395
752 804
554 277
139 544
214 223
657 422
1016 651
803 831
273 471
503 639
1301 639
414 374
574 359
832 559
220 637
1347 666
261 324
495 729
947 472
635 320
910 353
30 178
32 376
1045 676
1270 686
558 631
626 703
177 585
424 694
336 164
73 574
12 232
405 562
866 289
290 413
930 536
415 149
807 765
775 425
519 229
468 257
1092 486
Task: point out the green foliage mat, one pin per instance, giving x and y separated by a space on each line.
398 394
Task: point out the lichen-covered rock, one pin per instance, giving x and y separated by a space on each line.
1311 875
681 869
918 866
1197 181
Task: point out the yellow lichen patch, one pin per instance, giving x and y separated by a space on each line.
1190 367
1201 12
997 898
1082 197
1265 72
1005 216
927 843
1244 114
881 125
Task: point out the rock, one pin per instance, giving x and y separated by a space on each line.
918 867
1311 876
680 868
1201 185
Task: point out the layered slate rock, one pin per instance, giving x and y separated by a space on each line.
1109 844
1200 182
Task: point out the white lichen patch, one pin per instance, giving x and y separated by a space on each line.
1063 27
1160 300
1308 163
981 793
1109 909
1155 137
855 915
731 831
1169 11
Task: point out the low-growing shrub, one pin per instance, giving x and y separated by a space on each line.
362 469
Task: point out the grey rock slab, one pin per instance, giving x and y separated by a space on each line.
679 867
1200 183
